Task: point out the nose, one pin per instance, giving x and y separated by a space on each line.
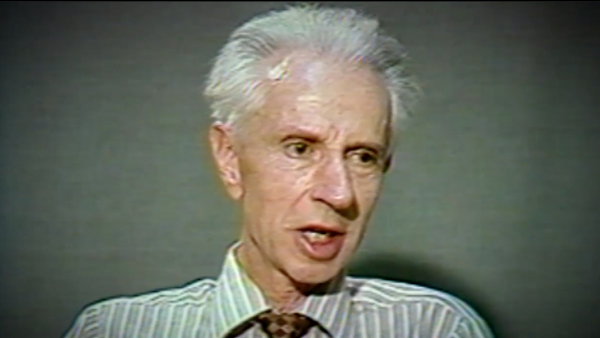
333 185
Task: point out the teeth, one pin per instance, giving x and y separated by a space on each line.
316 236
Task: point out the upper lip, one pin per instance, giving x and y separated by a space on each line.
324 228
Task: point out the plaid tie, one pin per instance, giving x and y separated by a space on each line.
285 325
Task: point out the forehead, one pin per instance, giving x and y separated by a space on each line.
324 93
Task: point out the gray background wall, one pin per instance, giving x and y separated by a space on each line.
106 186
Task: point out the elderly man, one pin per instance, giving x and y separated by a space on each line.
307 103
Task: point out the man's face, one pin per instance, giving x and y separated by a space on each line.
310 167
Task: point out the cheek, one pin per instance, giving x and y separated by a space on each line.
277 177
274 187
367 191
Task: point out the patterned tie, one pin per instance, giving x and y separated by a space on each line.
285 325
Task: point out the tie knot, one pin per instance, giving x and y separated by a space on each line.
284 325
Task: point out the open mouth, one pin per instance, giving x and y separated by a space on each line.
318 235
321 243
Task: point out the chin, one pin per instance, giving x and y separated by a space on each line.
314 273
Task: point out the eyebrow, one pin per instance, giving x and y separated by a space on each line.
376 146
314 134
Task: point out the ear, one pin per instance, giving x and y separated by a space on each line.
226 159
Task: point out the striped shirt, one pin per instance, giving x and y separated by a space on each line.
351 308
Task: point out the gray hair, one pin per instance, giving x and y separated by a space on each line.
233 86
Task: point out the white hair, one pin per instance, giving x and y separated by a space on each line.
233 86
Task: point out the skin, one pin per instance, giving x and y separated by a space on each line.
314 153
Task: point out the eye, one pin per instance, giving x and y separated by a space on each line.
365 158
297 149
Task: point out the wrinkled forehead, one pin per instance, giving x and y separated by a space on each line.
320 93
308 67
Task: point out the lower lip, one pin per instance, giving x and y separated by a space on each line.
322 250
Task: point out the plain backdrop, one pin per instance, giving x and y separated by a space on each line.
106 184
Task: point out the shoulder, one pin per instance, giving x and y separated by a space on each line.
380 292
419 304
194 293
119 313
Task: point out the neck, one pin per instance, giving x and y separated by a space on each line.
281 293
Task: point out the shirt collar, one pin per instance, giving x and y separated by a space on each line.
331 308
237 299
